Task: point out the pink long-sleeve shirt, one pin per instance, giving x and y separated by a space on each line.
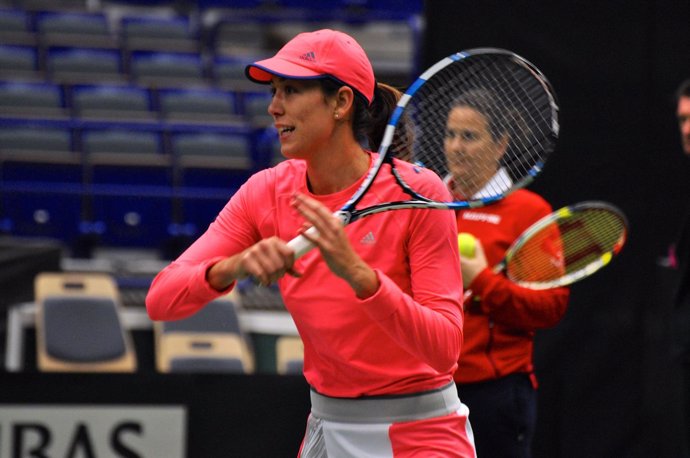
403 339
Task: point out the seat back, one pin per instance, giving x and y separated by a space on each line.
198 105
33 100
166 69
92 284
78 326
104 101
209 341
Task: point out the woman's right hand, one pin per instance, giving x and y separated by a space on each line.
266 261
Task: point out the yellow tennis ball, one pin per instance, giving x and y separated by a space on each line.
466 244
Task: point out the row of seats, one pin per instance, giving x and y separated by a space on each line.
79 329
130 124
128 184
82 65
170 50
100 101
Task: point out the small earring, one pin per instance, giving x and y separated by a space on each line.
337 116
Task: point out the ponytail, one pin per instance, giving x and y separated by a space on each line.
369 121
386 98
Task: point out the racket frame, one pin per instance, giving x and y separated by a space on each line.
548 220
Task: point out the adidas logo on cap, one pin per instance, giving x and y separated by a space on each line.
308 56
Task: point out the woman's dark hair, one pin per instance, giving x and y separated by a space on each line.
369 121
484 102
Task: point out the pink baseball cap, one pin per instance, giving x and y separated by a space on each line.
323 53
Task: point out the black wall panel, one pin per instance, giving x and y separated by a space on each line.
606 389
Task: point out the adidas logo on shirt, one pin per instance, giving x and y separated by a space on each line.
368 239
308 56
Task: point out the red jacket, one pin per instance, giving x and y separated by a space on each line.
501 321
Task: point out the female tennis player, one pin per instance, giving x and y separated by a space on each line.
378 304
495 376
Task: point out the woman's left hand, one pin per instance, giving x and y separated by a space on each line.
335 247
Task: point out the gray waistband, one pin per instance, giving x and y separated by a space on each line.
387 409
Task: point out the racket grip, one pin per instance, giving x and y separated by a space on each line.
301 245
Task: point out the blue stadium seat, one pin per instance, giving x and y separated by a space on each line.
130 186
69 28
198 105
220 159
111 101
38 151
79 65
211 165
126 155
15 28
239 37
19 62
167 69
148 33
40 100
227 72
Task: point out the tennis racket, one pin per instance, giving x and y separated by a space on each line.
565 246
518 107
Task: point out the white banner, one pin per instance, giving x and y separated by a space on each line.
92 431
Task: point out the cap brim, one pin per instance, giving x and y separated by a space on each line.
264 70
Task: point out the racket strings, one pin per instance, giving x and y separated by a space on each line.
517 108
568 246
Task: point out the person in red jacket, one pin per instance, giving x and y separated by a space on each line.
495 375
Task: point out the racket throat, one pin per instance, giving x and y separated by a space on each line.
344 216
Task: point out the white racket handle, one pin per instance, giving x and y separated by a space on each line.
301 244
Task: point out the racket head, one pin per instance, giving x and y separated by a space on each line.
507 126
567 245
524 118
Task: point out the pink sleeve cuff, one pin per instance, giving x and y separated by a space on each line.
203 268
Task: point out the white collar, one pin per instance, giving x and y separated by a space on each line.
499 183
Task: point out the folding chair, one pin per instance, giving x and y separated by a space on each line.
78 327
209 341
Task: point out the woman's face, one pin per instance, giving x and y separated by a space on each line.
303 117
472 153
